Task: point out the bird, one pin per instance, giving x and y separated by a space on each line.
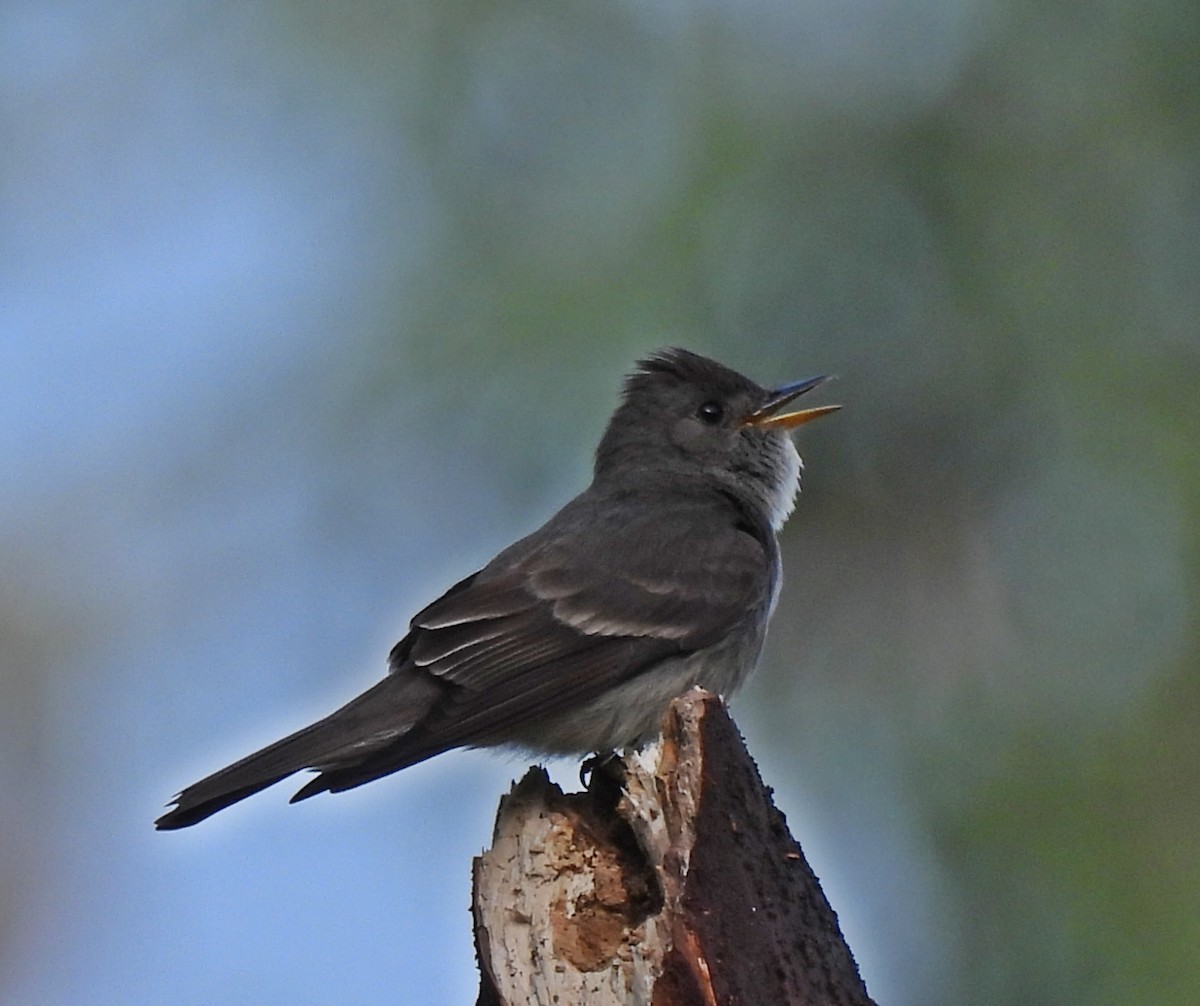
660 576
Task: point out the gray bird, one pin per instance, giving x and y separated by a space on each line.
661 575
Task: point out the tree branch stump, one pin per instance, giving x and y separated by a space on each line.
671 881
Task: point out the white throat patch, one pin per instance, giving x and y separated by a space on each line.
784 501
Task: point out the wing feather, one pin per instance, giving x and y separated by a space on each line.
554 623
683 582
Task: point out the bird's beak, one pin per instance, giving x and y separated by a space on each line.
767 416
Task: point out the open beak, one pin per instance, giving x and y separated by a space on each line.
768 417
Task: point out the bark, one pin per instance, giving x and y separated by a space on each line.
671 881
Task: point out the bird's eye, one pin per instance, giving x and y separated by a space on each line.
711 413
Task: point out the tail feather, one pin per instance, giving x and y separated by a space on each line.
408 750
373 720
246 777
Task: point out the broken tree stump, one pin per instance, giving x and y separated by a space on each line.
671 881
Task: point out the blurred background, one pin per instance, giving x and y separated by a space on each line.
307 309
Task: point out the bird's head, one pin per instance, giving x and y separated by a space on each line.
685 415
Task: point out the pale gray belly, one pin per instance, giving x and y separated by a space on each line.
631 712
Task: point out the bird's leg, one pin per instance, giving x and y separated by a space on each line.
594 764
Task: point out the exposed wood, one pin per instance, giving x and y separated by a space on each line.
672 881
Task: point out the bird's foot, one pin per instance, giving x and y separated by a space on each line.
595 765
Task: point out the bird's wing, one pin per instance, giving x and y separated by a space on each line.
678 583
521 640
585 612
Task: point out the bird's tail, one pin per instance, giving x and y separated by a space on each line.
374 719
246 777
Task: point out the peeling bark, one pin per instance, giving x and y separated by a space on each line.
671 881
